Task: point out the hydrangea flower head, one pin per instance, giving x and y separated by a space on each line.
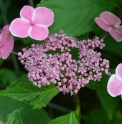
32 22
59 67
110 23
114 86
6 42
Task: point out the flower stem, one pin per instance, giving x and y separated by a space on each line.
105 35
15 53
16 66
77 111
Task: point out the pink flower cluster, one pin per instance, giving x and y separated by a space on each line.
91 65
52 62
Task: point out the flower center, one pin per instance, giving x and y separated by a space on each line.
112 26
1 45
31 23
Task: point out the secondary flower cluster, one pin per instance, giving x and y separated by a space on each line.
110 23
52 62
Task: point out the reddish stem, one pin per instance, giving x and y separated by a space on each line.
15 53
105 35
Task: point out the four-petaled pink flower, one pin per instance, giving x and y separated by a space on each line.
33 23
114 86
6 42
110 23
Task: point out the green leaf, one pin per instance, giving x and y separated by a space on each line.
110 42
1 62
4 11
76 17
44 97
28 116
73 119
100 85
109 103
66 119
14 117
1 122
117 117
97 116
7 76
22 89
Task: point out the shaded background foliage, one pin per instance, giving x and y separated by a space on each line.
95 104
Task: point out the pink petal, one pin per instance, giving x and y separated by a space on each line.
1 52
43 16
19 27
119 72
38 32
4 33
0 39
102 23
110 18
115 34
7 46
119 29
27 12
114 86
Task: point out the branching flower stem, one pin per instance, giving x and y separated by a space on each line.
15 53
105 35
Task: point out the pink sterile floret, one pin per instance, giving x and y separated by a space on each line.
6 42
114 86
33 23
110 23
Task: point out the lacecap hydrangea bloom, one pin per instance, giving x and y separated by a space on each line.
32 22
6 42
52 62
110 23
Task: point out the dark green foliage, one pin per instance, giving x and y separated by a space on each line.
22 103
76 17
